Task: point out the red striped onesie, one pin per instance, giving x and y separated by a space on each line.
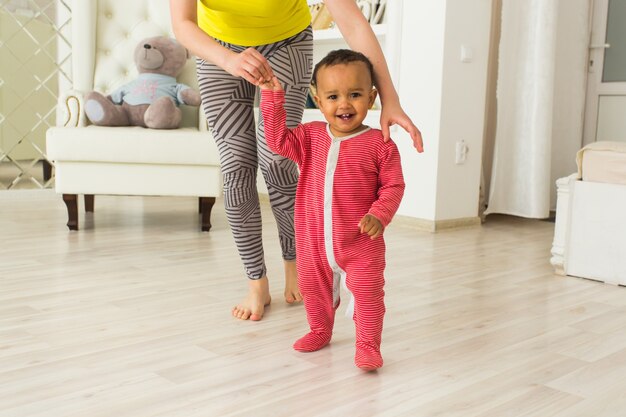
341 180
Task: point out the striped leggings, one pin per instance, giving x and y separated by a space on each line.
228 103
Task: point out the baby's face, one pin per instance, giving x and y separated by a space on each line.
344 94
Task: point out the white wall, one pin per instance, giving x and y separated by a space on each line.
464 94
569 88
420 87
446 99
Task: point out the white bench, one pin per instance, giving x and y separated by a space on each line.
92 160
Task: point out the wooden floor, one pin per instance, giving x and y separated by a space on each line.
130 317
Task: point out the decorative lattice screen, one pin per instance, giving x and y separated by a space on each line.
35 57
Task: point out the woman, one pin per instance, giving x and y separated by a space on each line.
240 44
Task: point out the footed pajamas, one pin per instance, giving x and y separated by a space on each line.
341 180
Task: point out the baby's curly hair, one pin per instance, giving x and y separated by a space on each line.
342 56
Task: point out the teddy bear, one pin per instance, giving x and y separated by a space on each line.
152 99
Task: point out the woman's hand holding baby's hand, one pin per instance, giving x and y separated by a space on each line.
271 84
371 225
249 64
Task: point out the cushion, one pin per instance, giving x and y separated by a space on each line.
602 161
132 145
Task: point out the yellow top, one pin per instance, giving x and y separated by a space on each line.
253 22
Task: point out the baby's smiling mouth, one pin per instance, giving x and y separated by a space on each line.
345 116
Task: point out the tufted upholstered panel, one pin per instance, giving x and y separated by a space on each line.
104 36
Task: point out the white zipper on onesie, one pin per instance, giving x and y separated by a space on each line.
339 275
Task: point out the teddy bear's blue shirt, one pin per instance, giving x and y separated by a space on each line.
147 87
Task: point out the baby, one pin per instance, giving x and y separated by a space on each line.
350 187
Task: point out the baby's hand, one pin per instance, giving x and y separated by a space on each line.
272 84
371 225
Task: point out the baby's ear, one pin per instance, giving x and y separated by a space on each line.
372 96
317 101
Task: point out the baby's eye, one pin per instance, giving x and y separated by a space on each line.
332 97
355 95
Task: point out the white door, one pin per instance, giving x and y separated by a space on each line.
605 110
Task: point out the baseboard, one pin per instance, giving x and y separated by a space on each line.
434 226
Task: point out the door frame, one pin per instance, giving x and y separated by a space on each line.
595 66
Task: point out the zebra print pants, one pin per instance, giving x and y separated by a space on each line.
228 103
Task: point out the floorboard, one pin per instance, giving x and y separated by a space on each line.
130 316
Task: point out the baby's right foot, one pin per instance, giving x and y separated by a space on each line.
312 341
367 357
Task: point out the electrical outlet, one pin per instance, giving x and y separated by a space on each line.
460 155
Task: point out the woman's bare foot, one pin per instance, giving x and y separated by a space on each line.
292 292
253 306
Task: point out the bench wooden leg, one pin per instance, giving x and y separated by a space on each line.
206 205
89 203
47 170
71 201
